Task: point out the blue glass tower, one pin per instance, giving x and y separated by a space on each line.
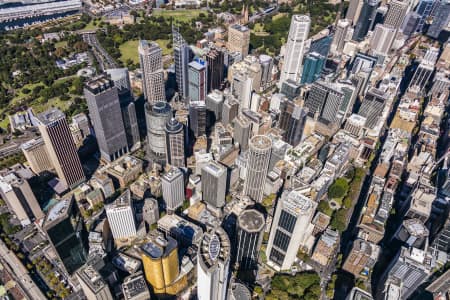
365 20
314 63
424 9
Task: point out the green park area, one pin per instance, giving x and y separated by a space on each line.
129 50
183 15
304 285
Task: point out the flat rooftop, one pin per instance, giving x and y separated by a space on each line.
251 220
50 116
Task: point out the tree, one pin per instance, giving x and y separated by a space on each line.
339 220
338 189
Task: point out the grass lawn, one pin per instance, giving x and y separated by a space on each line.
129 50
61 44
184 15
277 16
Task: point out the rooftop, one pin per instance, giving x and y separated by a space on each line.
91 277
51 115
135 285
251 220
58 211
159 247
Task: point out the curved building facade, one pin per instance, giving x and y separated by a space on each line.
250 230
213 265
156 117
175 143
260 147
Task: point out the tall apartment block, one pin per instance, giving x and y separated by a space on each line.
173 189
175 153
238 39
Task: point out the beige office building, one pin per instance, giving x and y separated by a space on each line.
238 39
37 156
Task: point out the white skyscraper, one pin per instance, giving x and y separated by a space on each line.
382 39
291 229
295 48
339 36
213 265
150 57
121 218
214 184
173 188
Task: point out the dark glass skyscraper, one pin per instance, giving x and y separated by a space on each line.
250 230
65 228
367 16
215 66
181 54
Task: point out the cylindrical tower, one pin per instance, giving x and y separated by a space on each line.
175 143
213 265
250 227
157 117
260 147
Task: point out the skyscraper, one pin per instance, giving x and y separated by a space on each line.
197 118
372 107
157 117
60 147
353 11
410 23
175 143
340 35
291 229
121 220
295 48
266 62
213 263
215 62
382 39
238 39
250 231
161 266
36 154
173 189
296 123
92 284
314 64
150 57
241 132
67 235
258 159
396 13
214 185
18 196
214 105
197 80
181 55
441 19
365 20
104 109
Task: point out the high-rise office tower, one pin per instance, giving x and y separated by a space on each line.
37 156
92 284
314 64
157 117
65 229
121 220
181 55
382 39
214 105
173 189
295 48
410 23
365 20
150 57
60 146
353 11
18 196
104 109
291 229
396 13
241 88
161 266
213 264
197 79
424 9
372 107
250 231
340 35
241 132
441 19
197 118
296 124
324 101
121 81
230 110
238 39
214 185
422 75
363 62
266 62
175 155
215 62
258 159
